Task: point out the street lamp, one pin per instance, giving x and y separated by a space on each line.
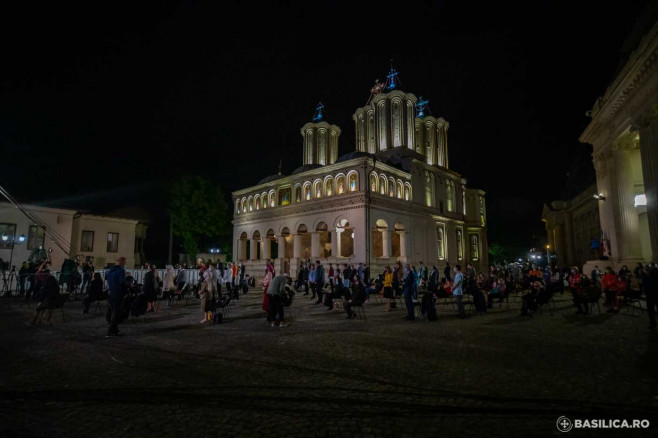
548 255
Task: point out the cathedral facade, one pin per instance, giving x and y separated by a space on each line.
393 199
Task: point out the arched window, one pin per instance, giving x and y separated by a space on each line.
263 199
244 205
382 184
407 192
400 189
329 186
298 194
272 198
464 200
483 218
450 195
460 245
237 206
307 191
475 247
429 189
257 202
391 187
373 182
317 188
353 181
440 242
284 196
340 184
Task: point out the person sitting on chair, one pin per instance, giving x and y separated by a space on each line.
530 299
49 296
95 292
357 299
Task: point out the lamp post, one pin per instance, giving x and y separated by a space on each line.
548 255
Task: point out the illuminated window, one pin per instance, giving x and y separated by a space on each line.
263 199
244 205
450 195
272 198
407 192
429 189
257 202
329 186
307 191
340 185
284 196
353 181
475 247
391 187
87 241
112 242
373 182
460 246
298 194
400 190
440 243
382 184
317 189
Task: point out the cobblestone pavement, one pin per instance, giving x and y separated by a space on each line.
324 376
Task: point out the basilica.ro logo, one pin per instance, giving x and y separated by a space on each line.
564 424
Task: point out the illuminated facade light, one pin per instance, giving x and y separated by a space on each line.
640 200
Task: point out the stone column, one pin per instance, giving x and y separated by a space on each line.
386 243
649 152
626 220
335 235
297 246
315 245
239 250
282 247
266 248
403 243
253 249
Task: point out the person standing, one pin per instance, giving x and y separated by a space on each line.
457 290
649 277
206 293
319 280
269 275
22 276
446 272
150 287
169 282
116 282
409 284
433 281
388 287
275 291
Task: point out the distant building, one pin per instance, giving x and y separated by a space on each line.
101 238
393 199
574 229
624 133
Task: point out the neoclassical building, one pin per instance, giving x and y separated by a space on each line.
392 199
624 133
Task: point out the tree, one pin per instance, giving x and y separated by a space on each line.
498 253
199 214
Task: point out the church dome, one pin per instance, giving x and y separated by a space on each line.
305 167
271 178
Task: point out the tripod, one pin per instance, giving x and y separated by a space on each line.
6 286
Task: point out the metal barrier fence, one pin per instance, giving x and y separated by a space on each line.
11 282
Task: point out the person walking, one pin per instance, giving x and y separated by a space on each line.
116 282
457 290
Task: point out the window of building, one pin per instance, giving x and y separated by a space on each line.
244 205
112 242
36 237
257 202
382 184
329 186
317 189
450 195
353 182
407 192
298 194
284 196
272 198
429 189
391 187
464 200
263 200
399 189
440 242
373 183
483 218
139 245
251 203
340 185
307 191
460 245
475 247
8 230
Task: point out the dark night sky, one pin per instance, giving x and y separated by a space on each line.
100 105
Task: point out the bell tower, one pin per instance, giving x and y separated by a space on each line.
320 139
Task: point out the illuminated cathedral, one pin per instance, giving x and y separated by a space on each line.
394 198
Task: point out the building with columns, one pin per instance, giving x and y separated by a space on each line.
392 199
624 134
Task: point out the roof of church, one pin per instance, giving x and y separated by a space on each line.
305 167
352 155
271 178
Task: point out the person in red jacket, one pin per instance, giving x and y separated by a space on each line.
622 286
575 282
609 285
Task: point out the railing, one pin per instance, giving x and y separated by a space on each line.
12 280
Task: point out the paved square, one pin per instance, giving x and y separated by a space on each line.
324 376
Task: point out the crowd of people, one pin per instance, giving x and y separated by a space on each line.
351 284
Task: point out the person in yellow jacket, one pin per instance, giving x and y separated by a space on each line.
388 287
